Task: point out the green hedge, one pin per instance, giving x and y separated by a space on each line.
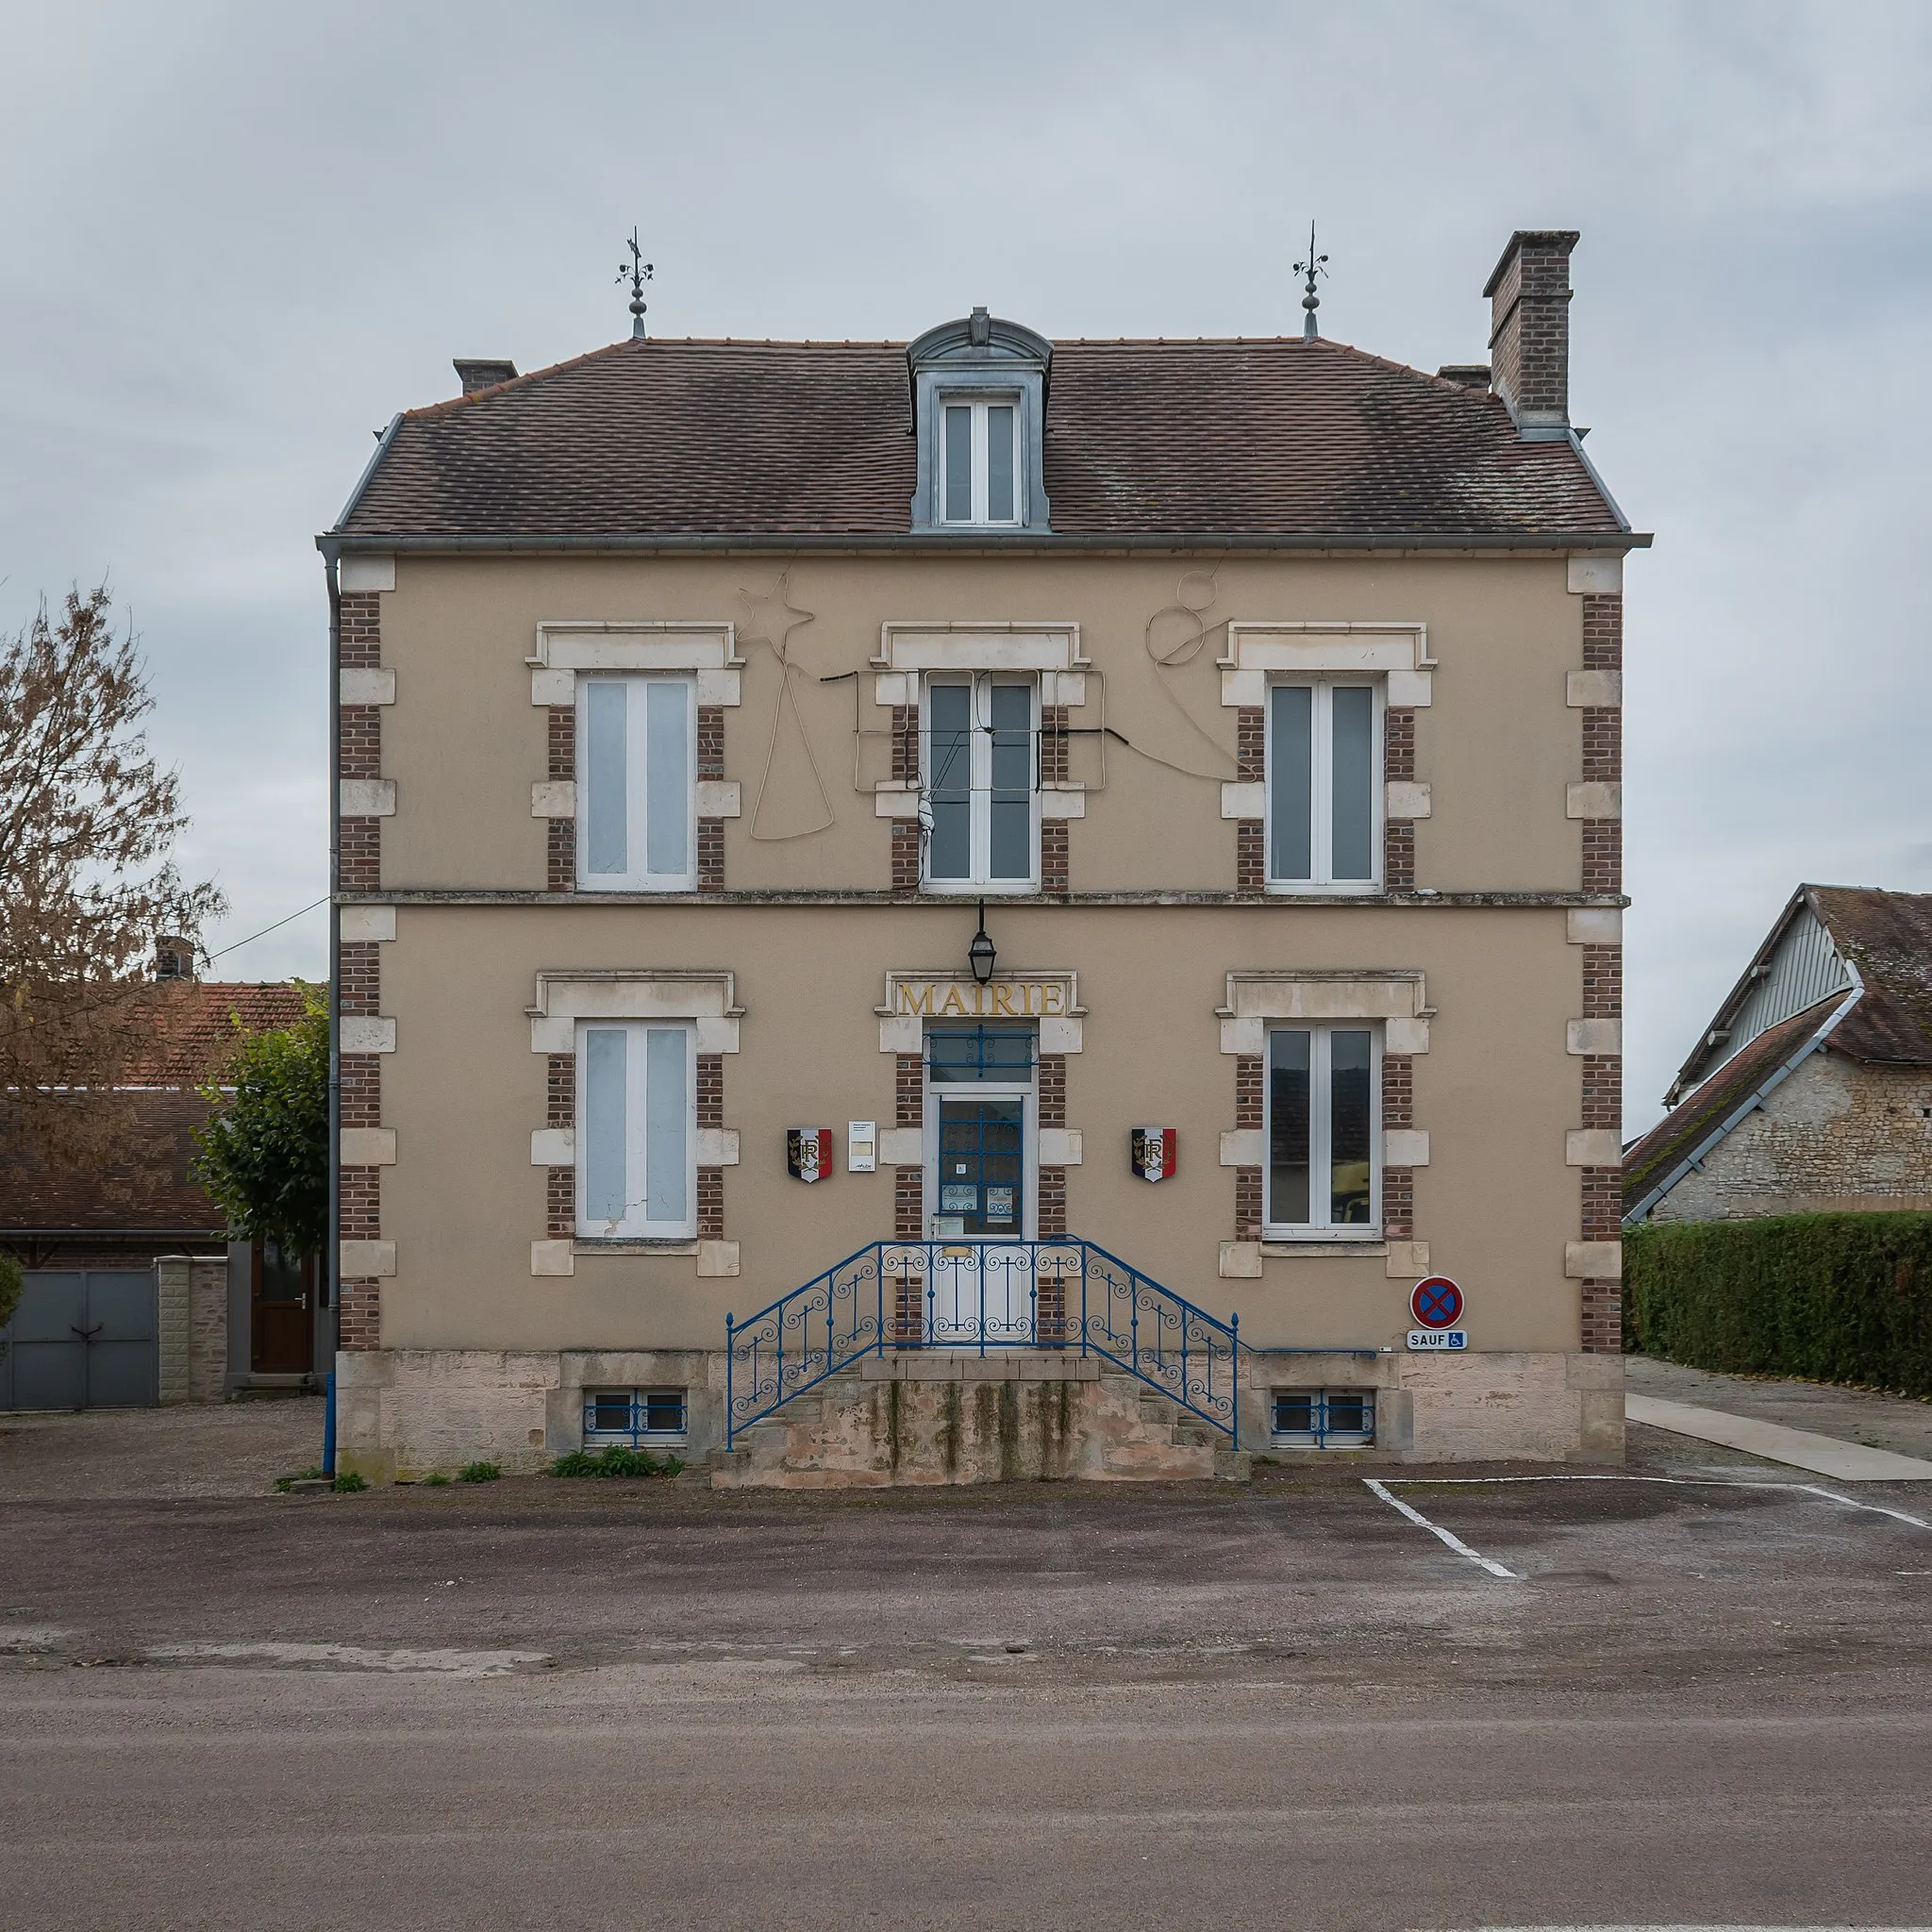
1828 1297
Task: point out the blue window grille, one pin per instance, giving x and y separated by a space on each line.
1326 1418
636 1416
978 1053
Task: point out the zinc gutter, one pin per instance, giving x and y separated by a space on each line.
339 542
1750 1105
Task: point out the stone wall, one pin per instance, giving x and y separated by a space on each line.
1839 1136
191 1307
914 1417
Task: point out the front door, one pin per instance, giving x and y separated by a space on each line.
283 1326
981 1286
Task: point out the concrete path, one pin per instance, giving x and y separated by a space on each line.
1845 1462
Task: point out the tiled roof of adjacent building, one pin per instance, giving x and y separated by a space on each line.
1888 937
670 440
198 1023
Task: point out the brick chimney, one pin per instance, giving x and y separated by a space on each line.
1529 331
482 371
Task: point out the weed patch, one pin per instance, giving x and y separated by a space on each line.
478 1473
615 1460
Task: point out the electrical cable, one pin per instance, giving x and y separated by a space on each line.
235 946
781 649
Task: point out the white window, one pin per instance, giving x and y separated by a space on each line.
1324 806
980 754
637 792
1324 1117
637 1130
979 461
1324 1417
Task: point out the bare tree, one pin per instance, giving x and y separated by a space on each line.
86 823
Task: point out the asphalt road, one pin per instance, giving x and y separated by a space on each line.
629 1705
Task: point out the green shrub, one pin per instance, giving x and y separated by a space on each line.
478 1473
436 1480
615 1459
348 1483
1827 1297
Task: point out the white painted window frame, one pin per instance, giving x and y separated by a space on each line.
635 877
1322 781
980 684
636 1227
979 404
1320 1117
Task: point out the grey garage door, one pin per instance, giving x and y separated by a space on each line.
82 1338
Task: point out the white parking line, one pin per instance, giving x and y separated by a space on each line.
1682 1482
1455 1542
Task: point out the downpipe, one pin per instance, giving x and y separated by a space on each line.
331 1245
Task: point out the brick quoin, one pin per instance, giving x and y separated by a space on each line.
1398 855
1603 1091
711 740
1603 855
358 977
361 630
710 1095
1054 745
561 1203
560 1110
1603 982
1398 743
1052 857
1398 1202
560 841
711 855
1603 1317
1052 1202
1250 857
1602 743
905 743
1052 1090
909 1203
1247 1204
360 1317
909 1091
1250 745
361 1077
1247 1090
1603 632
358 731
906 855
358 856
710 1204
1398 1090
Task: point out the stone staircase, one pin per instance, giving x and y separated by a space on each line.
924 1417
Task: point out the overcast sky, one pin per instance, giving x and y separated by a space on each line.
233 239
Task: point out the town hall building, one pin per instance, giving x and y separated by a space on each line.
982 907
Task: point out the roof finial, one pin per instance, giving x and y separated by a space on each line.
1310 301
639 273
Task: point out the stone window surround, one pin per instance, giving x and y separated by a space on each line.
904 1033
708 997
1396 652
908 649
1397 999
565 646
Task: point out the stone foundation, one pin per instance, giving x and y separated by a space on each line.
917 1417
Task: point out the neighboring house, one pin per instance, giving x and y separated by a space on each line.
1030 850
134 1291
1811 1088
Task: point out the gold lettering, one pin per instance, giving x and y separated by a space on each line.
915 999
1053 999
952 1002
1002 998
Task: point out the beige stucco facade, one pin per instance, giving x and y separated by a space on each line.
1486 966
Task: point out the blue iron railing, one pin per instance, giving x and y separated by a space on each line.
977 1296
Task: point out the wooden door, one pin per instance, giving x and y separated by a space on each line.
283 1312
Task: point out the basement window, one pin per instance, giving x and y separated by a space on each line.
1324 1417
640 1417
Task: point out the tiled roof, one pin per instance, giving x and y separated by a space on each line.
684 439
197 1024
1888 937
1648 1160
145 1185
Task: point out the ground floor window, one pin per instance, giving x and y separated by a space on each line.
636 1416
1324 1417
637 1130
1322 1116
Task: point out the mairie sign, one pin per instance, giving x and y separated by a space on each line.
1012 998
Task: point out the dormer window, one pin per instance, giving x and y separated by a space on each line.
979 392
979 461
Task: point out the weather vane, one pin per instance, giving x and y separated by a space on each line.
1310 302
639 273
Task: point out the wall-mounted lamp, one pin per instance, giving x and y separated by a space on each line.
981 954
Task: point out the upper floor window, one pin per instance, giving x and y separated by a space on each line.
980 464
1322 1120
1324 806
637 798
637 1130
982 791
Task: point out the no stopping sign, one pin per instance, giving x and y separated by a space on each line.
1436 1303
